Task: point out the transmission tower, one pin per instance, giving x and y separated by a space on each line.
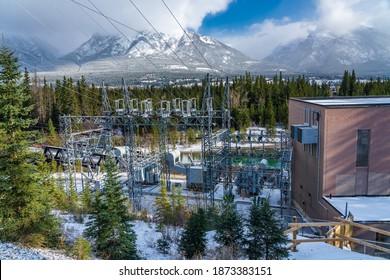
89 139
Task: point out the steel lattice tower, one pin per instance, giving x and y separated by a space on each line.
89 139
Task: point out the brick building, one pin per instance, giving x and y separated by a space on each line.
341 158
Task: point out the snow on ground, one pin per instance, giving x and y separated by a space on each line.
147 236
363 208
10 251
324 251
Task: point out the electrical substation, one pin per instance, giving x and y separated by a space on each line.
243 163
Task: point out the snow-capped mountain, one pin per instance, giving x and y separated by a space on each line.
33 53
108 57
162 53
98 47
364 50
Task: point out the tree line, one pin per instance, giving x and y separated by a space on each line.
353 86
255 100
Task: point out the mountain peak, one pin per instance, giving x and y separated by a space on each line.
364 50
192 48
33 53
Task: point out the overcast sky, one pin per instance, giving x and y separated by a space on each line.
254 27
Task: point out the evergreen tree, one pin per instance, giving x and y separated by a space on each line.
25 205
191 136
53 138
86 198
270 116
345 84
193 238
73 198
229 228
162 205
265 238
352 84
111 228
59 195
81 249
48 99
181 211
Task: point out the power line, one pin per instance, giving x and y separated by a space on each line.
99 12
101 27
129 41
107 17
162 38
35 18
138 48
185 32
68 19
196 47
151 62
111 20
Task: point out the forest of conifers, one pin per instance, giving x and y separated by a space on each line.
255 100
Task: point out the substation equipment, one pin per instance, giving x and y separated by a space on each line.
228 160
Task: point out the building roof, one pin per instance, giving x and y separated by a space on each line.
348 101
363 208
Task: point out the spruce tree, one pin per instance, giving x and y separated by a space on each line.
265 238
86 198
229 228
193 238
53 138
25 205
111 228
254 234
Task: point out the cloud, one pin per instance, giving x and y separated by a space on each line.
66 24
344 16
262 38
337 16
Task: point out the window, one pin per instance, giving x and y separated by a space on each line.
363 145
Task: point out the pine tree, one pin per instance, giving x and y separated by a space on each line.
265 238
229 228
25 205
111 229
193 238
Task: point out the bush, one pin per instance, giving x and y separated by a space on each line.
35 240
165 241
81 249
